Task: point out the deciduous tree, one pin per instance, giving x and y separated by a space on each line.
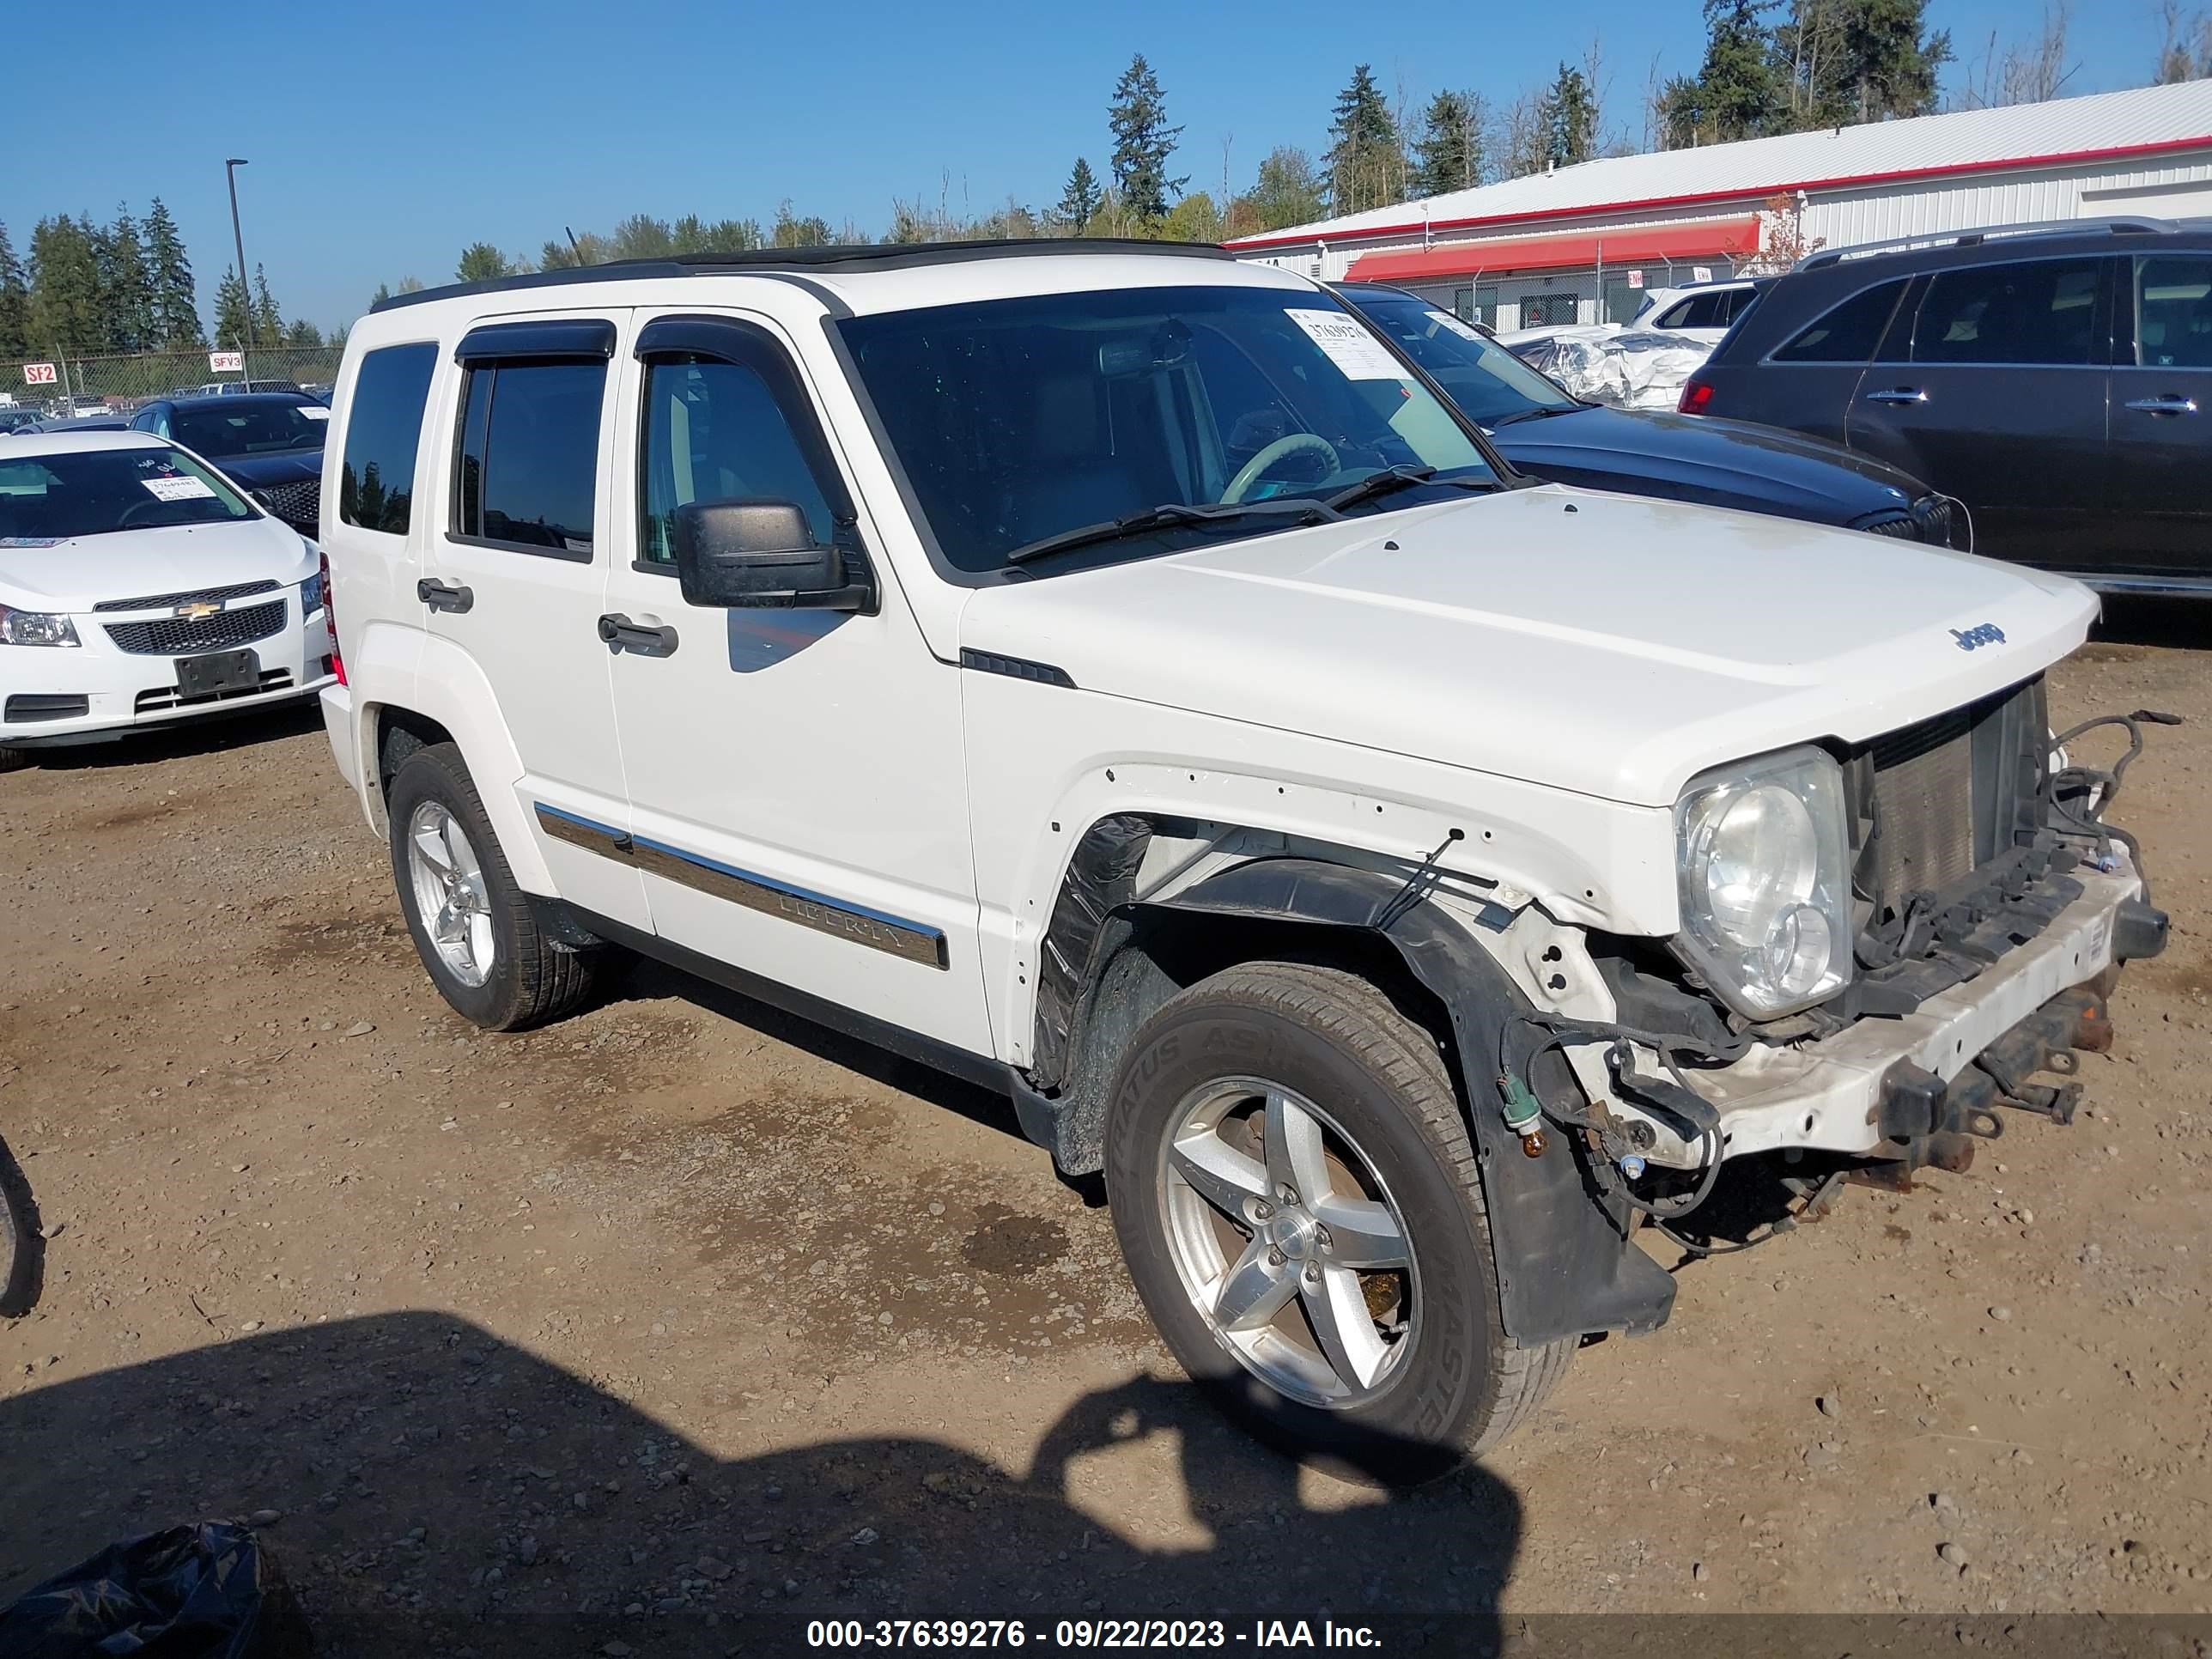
1287 192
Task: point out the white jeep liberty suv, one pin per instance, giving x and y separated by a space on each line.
1111 673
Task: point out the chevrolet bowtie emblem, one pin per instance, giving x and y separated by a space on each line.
200 610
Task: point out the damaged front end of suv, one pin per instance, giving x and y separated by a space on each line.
1883 947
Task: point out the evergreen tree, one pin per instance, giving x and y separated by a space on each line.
65 299
1366 163
1735 93
1450 146
383 293
1286 192
176 304
234 314
14 303
1143 141
1570 119
1078 201
268 324
480 262
129 287
1889 62
303 334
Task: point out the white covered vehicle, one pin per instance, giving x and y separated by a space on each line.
1620 367
1110 673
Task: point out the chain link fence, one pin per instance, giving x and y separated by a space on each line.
124 382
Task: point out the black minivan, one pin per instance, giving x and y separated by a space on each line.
2056 380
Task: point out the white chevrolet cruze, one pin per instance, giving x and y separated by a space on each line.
137 588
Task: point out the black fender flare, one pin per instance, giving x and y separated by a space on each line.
1567 1265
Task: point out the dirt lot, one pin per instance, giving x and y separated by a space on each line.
661 1325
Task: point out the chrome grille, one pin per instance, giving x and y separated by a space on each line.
1928 520
195 596
178 637
297 504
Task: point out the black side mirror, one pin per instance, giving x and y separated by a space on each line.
762 553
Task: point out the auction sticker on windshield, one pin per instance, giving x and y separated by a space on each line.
1467 330
314 411
1349 345
178 489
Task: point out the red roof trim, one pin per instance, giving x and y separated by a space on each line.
2164 146
1575 248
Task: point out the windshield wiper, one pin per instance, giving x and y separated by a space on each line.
1392 478
1169 513
1537 412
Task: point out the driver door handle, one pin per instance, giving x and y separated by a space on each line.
444 596
2173 403
623 634
1898 394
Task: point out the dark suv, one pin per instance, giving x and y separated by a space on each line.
2057 379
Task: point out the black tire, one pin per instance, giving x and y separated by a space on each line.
1338 1041
23 1249
532 979
12 759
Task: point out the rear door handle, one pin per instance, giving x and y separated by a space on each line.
444 596
620 632
2170 405
1898 394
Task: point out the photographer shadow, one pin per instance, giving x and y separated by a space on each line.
438 1491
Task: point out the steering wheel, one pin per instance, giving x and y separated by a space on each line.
124 518
1289 444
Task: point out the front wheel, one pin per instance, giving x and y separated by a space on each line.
1296 1196
472 925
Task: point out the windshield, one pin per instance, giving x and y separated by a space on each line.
248 429
1490 386
94 492
1018 420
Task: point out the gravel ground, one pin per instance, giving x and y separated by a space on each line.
653 1330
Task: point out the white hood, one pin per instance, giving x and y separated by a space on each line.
77 574
1605 644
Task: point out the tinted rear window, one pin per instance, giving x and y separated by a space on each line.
384 426
1849 332
2036 311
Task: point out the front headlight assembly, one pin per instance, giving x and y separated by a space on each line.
35 628
1762 865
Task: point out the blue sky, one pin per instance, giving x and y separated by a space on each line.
384 138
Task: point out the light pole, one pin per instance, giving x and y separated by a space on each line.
237 240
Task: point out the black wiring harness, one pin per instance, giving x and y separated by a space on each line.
2081 783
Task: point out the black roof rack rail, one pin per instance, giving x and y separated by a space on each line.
2116 225
887 256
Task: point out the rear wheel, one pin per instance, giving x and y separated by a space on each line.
472 925
1296 1196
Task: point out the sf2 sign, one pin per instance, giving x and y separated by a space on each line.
225 362
39 375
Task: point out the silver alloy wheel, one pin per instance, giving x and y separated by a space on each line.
449 892
1288 1244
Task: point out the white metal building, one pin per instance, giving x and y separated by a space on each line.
1579 243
